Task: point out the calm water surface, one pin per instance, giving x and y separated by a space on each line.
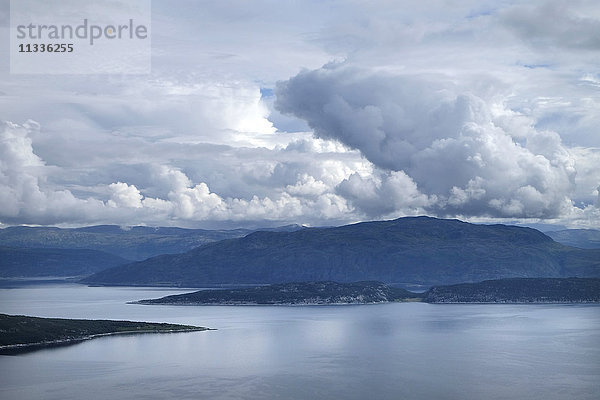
390 351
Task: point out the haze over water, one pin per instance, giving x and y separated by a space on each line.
389 351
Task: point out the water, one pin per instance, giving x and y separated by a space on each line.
389 351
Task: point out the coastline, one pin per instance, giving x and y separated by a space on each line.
513 302
225 304
23 333
264 304
18 347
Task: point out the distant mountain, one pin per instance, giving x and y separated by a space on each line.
582 238
284 228
136 243
293 293
420 250
519 290
24 262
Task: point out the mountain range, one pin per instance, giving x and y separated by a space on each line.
134 243
582 238
412 250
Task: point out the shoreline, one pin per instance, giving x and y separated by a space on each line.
63 342
225 304
514 302
190 304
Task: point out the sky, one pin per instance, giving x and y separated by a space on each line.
268 112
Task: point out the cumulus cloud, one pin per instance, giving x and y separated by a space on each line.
27 197
385 194
124 195
17 164
23 193
474 157
307 186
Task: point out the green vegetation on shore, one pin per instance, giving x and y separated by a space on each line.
22 331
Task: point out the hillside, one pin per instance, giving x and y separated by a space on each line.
519 290
24 262
582 238
419 250
293 293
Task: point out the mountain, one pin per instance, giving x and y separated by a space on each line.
136 243
582 238
519 290
24 262
419 250
293 293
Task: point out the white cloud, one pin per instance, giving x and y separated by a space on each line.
124 195
307 186
24 196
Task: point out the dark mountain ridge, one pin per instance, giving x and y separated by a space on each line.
419 250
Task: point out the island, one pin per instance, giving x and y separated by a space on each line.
511 290
18 332
519 290
295 293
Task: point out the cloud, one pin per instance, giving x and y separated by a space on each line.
17 169
307 186
384 194
164 108
480 109
571 26
124 195
24 195
473 156
27 196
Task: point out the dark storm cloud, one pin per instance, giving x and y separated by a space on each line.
452 145
554 24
